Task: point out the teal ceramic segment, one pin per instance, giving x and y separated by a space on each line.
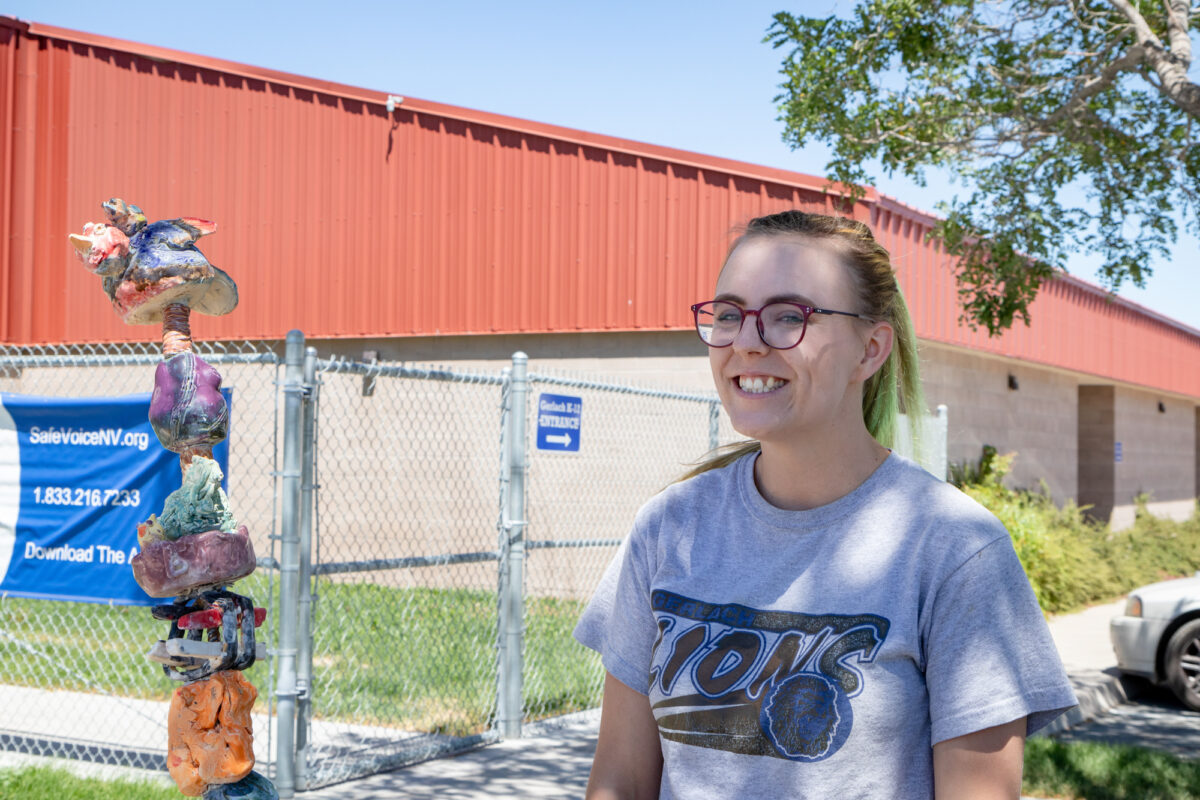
199 505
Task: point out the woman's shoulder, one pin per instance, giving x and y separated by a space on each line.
940 505
685 495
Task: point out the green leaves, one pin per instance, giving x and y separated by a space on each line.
1030 101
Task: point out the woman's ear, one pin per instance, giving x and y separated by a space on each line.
876 349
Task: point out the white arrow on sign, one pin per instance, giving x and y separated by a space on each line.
564 440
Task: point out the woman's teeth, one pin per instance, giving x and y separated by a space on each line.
759 385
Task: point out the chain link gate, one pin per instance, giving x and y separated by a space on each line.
403 582
74 680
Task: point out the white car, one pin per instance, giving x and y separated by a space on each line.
1158 636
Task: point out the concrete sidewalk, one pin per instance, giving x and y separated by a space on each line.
552 760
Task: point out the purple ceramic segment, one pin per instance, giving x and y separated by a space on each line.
187 408
170 569
251 787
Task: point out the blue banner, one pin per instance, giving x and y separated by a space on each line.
77 475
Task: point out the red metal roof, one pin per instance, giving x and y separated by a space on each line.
342 220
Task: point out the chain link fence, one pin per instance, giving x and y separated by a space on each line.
426 547
74 680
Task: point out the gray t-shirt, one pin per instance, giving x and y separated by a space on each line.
821 653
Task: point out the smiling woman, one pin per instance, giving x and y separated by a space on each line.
801 615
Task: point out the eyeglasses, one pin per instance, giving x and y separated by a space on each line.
781 326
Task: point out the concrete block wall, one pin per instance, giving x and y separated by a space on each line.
1157 435
1037 420
1063 426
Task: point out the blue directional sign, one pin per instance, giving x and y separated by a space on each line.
77 475
558 422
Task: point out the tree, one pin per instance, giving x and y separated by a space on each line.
1030 102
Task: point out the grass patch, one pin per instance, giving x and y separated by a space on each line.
40 783
428 657
423 659
1071 560
1092 771
561 675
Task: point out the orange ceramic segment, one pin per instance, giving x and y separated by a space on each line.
209 733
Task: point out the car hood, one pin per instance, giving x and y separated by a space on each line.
1168 598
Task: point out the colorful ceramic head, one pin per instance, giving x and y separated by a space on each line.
103 249
163 267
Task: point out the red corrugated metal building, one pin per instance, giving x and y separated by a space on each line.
349 221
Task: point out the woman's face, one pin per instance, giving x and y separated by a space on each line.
809 390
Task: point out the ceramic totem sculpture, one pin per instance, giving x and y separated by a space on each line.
153 273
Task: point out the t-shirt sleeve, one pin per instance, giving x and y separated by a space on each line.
618 622
989 657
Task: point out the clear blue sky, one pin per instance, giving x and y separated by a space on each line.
692 75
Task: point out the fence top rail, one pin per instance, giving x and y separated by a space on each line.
14 360
343 366
662 394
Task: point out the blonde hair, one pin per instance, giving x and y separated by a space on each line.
897 384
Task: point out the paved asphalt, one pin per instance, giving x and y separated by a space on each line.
1154 718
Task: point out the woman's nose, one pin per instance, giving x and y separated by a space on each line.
748 339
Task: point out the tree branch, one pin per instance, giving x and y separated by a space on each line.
1140 26
1177 30
1171 66
1095 84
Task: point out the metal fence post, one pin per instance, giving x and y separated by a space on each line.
512 602
304 577
285 687
502 531
714 424
941 455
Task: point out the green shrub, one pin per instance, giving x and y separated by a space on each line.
1071 560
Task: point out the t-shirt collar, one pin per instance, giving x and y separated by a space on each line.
764 512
